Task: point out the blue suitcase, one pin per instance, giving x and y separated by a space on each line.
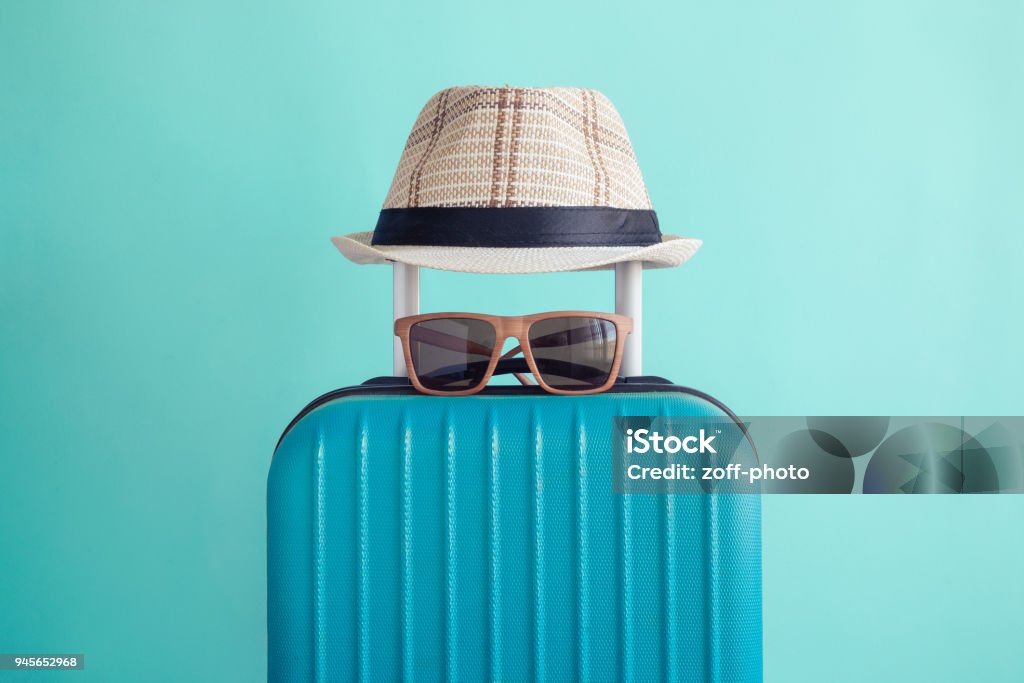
478 538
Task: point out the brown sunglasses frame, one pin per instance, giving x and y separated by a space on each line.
516 327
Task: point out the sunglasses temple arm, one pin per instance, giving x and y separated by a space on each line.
523 378
455 373
566 366
576 335
448 341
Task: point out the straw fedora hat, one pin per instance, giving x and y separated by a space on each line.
517 180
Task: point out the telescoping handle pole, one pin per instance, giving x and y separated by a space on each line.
629 290
406 302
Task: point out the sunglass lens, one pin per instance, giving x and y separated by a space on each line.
451 354
573 354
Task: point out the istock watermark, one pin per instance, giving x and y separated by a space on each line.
854 454
643 440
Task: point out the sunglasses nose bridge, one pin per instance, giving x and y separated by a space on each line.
521 347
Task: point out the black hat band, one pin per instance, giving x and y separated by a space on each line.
519 227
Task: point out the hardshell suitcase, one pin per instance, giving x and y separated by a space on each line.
478 538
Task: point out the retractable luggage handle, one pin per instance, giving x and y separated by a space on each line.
628 301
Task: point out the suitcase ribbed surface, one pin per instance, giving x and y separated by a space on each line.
478 538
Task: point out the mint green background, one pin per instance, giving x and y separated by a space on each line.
170 174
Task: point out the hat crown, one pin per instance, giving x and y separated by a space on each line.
504 147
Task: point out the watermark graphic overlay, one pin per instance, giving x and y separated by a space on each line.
817 454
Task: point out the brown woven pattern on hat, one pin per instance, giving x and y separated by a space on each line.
508 147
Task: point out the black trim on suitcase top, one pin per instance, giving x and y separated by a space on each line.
401 386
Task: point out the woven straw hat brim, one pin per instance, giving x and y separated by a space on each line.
672 251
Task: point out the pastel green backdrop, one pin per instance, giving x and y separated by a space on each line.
169 177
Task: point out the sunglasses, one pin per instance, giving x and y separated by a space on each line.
569 352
